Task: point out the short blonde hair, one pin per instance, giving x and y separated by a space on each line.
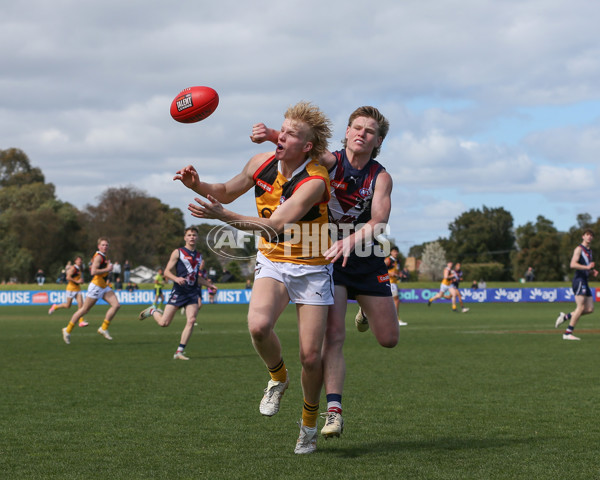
319 126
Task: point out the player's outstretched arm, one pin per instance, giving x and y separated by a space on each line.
224 192
304 198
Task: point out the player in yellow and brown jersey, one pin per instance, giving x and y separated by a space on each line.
391 261
98 288
447 286
359 207
291 191
74 282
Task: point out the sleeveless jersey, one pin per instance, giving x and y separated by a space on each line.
73 286
352 191
585 258
448 281
393 269
458 276
100 279
187 267
310 237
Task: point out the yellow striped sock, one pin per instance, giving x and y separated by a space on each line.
70 327
105 324
310 413
278 372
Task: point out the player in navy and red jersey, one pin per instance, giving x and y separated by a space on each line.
584 265
183 270
360 207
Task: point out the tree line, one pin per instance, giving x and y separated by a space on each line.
488 246
37 230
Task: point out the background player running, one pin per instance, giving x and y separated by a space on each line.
74 278
183 270
583 263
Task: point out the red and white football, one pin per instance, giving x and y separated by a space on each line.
194 104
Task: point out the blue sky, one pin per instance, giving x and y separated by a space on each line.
491 103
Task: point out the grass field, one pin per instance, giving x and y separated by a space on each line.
491 394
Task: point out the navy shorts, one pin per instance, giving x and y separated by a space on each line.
363 276
581 287
183 298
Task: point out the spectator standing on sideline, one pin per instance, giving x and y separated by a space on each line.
529 275
126 271
116 271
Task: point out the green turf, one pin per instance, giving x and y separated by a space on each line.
491 394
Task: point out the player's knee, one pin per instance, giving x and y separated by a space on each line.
311 360
259 329
389 339
334 337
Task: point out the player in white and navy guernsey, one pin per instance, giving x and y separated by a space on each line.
583 263
361 202
183 270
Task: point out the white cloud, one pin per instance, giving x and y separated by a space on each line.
86 88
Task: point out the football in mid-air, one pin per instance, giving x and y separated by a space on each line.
194 104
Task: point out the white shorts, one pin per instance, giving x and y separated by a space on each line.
305 284
446 288
73 294
394 287
94 291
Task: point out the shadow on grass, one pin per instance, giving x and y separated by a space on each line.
439 444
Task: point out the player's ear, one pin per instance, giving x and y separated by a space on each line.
307 147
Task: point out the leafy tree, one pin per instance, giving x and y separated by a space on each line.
433 261
15 169
482 236
235 269
140 228
539 246
36 229
416 251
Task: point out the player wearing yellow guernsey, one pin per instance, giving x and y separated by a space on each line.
98 288
446 286
74 282
391 262
291 192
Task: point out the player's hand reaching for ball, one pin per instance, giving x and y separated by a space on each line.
210 209
188 176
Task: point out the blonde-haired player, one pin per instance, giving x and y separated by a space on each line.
97 289
447 286
74 281
290 188
391 261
